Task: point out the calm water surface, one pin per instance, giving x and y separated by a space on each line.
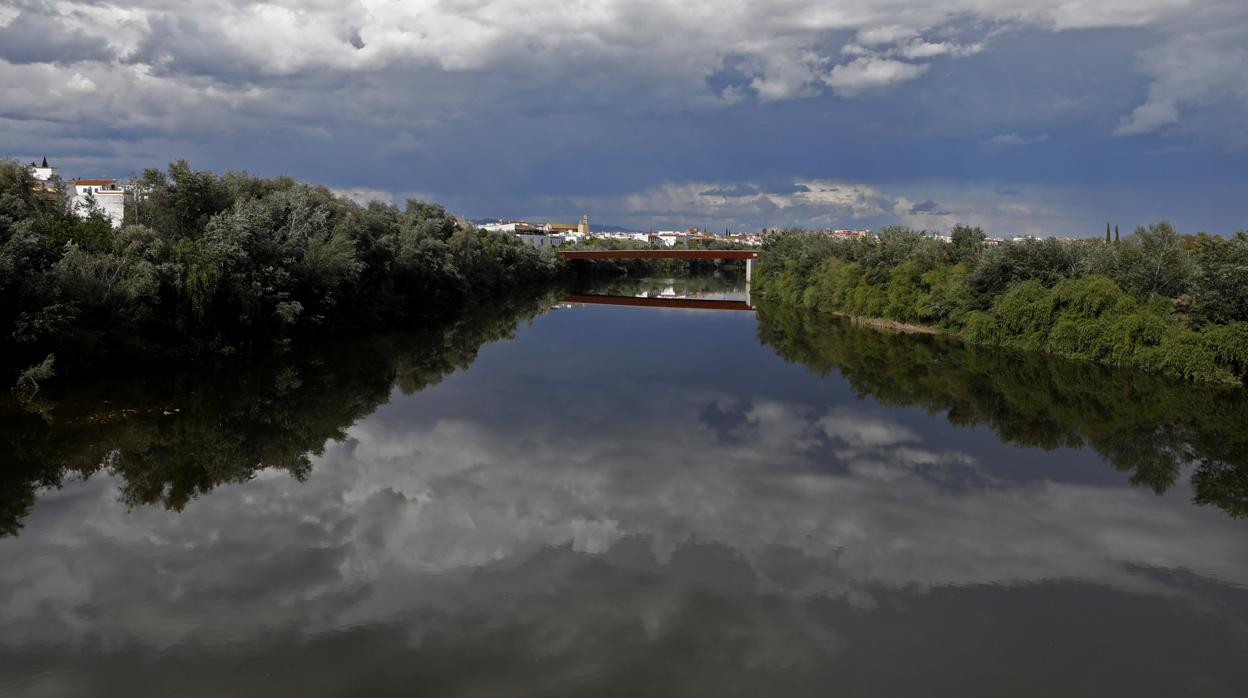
627 501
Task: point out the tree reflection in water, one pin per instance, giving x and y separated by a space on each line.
1143 424
174 437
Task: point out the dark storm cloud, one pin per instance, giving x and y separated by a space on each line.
464 103
41 38
178 46
928 207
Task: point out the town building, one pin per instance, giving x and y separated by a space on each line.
847 234
104 194
539 241
44 172
45 180
669 238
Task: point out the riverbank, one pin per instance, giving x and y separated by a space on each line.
1148 302
885 325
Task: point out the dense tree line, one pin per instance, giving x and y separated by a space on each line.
1154 299
1155 428
208 264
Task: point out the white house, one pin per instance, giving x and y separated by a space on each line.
108 196
47 180
44 172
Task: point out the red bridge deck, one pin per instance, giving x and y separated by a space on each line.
690 303
660 254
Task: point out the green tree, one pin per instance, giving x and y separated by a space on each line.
967 243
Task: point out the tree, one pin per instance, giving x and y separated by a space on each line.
967 243
207 263
1220 284
1155 263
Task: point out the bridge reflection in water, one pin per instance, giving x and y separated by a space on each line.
690 303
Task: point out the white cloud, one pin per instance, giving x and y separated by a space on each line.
784 40
887 34
1190 70
869 73
814 202
365 195
824 203
81 82
1008 139
920 49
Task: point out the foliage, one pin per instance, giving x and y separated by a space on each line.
1154 301
28 380
1220 284
208 264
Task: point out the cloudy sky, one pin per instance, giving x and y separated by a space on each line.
1018 115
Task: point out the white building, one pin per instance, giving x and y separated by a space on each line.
539 241
44 172
500 227
47 180
108 197
670 238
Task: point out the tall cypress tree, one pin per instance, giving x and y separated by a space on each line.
1106 232
1115 233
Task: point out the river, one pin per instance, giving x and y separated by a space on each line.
553 499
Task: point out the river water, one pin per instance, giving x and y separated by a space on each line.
546 499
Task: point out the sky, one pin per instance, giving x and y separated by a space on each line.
1021 116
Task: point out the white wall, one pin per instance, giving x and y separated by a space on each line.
503 227
112 203
537 240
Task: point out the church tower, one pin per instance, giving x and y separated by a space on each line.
583 228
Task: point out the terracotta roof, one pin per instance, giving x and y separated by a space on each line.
95 182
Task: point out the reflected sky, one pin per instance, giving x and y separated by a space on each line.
624 501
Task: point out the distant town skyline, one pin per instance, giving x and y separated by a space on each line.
1020 116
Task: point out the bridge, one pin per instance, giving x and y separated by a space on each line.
688 303
694 303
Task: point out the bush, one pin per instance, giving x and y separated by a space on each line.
1122 303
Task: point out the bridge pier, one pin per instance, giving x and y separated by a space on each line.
749 273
